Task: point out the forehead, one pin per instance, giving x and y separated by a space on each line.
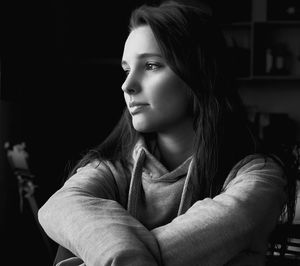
140 40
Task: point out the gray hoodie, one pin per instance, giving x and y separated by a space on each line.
108 216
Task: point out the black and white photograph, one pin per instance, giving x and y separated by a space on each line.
150 133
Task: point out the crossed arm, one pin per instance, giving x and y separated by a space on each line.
85 218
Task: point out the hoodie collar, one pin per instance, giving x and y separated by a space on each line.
143 161
154 167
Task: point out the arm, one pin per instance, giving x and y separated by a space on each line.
215 230
84 217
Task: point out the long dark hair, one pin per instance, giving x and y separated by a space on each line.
195 49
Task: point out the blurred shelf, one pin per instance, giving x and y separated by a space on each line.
236 25
266 46
270 78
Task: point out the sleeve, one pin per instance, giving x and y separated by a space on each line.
84 217
213 231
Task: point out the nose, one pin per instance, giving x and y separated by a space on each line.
131 84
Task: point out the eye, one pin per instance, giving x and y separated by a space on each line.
152 66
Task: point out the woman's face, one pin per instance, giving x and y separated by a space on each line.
155 96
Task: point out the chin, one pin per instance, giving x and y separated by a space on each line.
142 126
142 129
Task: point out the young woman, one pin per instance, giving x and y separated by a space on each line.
179 180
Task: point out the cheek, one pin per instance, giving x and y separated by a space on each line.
172 96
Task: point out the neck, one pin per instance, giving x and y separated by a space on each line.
176 145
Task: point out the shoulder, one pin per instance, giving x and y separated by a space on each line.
106 172
90 174
257 167
93 167
102 167
257 182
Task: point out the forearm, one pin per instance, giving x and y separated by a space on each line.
202 236
97 230
85 217
213 231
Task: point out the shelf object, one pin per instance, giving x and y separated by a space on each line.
276 48
264 49
283 10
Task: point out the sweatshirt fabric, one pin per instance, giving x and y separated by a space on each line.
106 215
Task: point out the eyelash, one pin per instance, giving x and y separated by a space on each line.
148 66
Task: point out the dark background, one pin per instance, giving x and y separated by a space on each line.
60 67
61 94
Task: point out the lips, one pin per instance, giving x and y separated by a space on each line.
133 104
136 107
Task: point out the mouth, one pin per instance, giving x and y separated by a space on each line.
135 108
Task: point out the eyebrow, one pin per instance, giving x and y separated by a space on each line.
143 55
